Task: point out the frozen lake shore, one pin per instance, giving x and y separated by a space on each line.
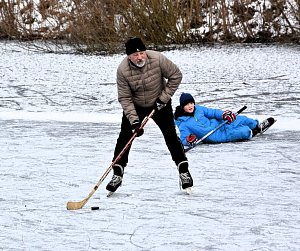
60 119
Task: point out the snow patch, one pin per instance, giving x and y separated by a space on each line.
84 117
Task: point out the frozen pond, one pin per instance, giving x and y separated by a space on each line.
60 119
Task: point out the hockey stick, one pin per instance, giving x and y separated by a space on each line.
212 131
74 205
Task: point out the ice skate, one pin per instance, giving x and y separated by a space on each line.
185 177
263 126
116 180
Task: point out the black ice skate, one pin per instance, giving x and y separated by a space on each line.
186 179
264 126
116 180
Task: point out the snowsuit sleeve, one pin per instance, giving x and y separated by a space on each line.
204 120
191 126
211 113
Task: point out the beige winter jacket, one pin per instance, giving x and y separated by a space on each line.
159 78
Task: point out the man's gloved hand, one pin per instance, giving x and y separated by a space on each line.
229 116
159 104
191 139
135 127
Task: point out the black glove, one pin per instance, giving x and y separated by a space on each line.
229 116
135 127
191 139
159 104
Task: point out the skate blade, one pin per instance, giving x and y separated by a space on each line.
109 193
188 190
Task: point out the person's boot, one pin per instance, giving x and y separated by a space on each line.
116 179
263 126
186 179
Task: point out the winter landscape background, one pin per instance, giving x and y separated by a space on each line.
60 119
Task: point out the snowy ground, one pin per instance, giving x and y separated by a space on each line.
60 119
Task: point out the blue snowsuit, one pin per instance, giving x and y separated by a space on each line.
204 120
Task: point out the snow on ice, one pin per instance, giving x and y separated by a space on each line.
60 119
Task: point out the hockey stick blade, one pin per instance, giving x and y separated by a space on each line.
73 205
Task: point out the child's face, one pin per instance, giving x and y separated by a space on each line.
189 108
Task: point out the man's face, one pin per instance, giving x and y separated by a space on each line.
138 58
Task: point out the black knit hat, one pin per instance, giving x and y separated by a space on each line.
186 98
134 45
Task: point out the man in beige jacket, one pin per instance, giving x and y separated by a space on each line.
147 80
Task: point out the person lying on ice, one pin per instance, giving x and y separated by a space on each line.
195 121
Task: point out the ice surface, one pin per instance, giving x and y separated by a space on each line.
60 119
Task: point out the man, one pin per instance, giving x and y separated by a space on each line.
195 121
147 80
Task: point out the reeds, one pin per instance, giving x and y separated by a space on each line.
102 26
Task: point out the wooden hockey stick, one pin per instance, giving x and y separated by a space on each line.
74 205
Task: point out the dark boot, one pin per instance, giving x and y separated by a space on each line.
116 180
263 126
186 179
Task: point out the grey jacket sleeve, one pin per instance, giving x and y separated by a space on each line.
125 97
173 75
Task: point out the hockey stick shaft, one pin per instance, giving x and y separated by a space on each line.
74 205
212 131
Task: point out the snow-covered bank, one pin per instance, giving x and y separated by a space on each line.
199 21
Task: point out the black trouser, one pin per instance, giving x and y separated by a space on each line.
165 121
